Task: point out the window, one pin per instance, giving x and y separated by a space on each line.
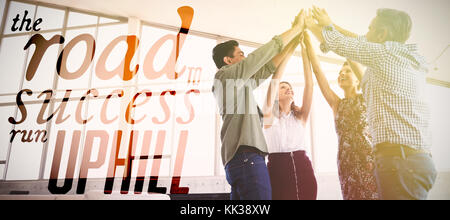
323 126
75 62
25 158
18 8
106 34
2 9
151 36
440 119
74 126
44 77
5 128
53 18
2 171
195 56
202 156
32 161
81 19
200 151
13 68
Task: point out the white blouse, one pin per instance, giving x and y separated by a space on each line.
286 135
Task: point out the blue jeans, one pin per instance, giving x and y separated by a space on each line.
405 178
248 176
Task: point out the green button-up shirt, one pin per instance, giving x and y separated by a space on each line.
233 90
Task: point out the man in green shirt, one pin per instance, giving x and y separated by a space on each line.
243 143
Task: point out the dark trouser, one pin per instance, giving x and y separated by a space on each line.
248 176
403 174
292 176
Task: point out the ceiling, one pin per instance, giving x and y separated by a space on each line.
260 20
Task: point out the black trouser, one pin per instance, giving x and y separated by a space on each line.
292 176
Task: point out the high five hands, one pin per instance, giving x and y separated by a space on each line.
321 16
314 20
299 21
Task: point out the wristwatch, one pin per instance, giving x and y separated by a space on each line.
329 27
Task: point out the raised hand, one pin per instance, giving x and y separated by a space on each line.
309 20
321 16
299 21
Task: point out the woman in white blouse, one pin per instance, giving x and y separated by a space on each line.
291 173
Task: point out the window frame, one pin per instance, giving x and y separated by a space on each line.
218 167
54 101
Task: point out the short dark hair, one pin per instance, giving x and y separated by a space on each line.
397 23
224 50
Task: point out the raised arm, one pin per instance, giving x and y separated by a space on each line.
315 28
275 83
309 84
345 43
267 55
323 18
269 69
292 35
345 32
328 93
